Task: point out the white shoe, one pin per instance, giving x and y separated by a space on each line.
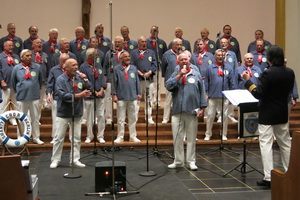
219 120
54 164
134 139
119 140
224 137
83 121
175 165
52 141
192 166
108 122
13 122
164 121
88 140
101 140
77 164
38 141
150 121
207 138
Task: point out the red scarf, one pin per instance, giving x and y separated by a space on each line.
153 42
11 37
260 57
125 71
52 49
118 54
200 57
79 43
249 70
62 51
206 44
184 76
38 57
27 71
126 43
93 68
74 84
141 56
228 38
31 39
220 72
10 60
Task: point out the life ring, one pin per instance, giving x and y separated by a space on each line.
26 126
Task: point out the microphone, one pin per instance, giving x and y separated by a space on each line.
84 79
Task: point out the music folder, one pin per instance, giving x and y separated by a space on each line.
247 109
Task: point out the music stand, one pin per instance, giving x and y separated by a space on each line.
248 123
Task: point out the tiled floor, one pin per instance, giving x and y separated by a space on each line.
209 181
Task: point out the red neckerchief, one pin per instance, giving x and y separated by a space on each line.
27 71
249 69
38 57
200 57
176 54
259 58
52 44
10 60
99 40
220 72
79 43
206 44
125 71
31 39
118 53
141 56
228 38
153 42
126 43
11 37
62 51
74 84
93 68
184 76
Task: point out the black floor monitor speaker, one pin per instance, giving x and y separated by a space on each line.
103 176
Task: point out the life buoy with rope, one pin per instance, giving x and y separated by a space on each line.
24 138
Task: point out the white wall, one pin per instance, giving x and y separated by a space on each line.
292 51
139 15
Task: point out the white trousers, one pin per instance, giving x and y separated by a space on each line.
130 107
143 89
7 94
167 106
53 114
99 111
184 123
32 107
108 102
213 105
160 87
266 141
62 125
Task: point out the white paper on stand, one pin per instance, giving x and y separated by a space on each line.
237 97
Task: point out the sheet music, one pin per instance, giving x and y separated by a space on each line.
237 97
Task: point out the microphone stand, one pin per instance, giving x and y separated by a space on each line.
221 147
113 190
95 151
156 152
147 173
72 175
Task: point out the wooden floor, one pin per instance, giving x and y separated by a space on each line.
160 131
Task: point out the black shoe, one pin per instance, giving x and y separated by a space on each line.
264 183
